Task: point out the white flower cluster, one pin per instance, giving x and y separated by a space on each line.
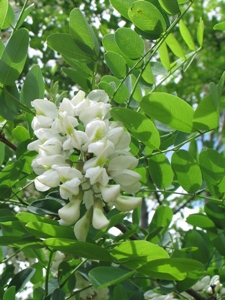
87 156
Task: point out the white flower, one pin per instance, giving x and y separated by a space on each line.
41 122
70 213
120 138
214 285
82 226
97 175
47 180
125 203
45 108
202 284
99 220
110 192
98 96
128 180
78 98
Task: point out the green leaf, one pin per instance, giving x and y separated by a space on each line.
24 13
160 170
200 220
47 206
80 249
137 95
21 134
187 171
2 152
174 46
9 18
82 33
79 78
134 254
147 74
116 64
171 6
186 35
147 17
141 127
219 26
161 218
164 55
58 294
14 57
122 6
129 42
3 11
212 165
21 278
33 87
216 213
200 32
45 230
110 84
169 110
10 293
9 101
206 116
170 268
102 277
66 46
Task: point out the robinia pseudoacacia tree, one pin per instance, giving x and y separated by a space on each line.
102 151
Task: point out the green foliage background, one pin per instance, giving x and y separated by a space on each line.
166 85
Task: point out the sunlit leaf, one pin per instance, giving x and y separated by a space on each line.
200 32
174 46
134 254
116 64
3 11
219 26
141 127
164 55
170 268
129 42
122 6
147 17
169 110
186 35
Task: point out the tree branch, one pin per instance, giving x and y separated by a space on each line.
6 142
196 295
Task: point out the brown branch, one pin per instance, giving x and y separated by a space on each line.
7 142
196 295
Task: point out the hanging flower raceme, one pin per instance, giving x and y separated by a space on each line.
86 156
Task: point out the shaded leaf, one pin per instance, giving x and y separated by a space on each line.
9 101
160 170
82 33
10 293
14 57
33 87
200 220
81 249
79 78
187 171
116 64
21 278
102 277
171 6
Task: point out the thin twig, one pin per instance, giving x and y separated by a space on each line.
7 142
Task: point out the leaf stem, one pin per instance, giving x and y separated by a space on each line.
48 271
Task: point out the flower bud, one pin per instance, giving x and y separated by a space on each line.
110 192
125 203
99 220
70 213
82 226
